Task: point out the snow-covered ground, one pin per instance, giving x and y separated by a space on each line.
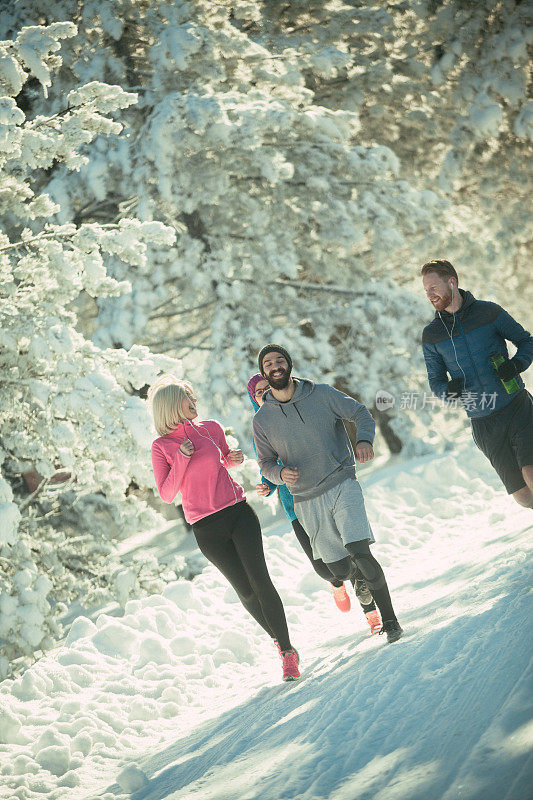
182 697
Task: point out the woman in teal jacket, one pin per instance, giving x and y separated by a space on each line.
257 385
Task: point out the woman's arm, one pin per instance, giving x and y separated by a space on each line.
169 471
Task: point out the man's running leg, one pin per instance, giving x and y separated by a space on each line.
524 496
318 565
377 583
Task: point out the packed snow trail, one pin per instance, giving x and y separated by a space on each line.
182 696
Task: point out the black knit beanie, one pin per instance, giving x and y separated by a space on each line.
273 348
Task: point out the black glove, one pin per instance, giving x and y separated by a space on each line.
509 369
454 389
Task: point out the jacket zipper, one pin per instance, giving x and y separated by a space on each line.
470 355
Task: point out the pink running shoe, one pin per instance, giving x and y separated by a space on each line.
340 595
290 665
374 621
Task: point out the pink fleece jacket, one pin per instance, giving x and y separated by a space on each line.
203 479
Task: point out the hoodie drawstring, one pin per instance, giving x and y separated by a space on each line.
297 411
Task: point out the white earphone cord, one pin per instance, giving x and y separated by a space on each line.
451 339
221 453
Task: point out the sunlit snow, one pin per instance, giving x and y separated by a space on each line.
182 695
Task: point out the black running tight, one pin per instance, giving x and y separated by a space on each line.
318 565
325 572
231 540
373 574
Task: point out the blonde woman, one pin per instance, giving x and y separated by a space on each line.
193 458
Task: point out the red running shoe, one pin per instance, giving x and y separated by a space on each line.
374 621
290 665
340 595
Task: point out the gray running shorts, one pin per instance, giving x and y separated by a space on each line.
334 519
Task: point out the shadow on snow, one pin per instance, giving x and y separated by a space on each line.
368 718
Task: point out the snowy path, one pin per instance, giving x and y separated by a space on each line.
446 713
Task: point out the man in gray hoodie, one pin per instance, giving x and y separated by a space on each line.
301 423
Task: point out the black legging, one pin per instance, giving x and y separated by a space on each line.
231 540
322 569
373 574
318 565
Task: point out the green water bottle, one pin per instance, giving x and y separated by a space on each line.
510 386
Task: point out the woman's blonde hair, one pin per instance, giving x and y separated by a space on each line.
166 396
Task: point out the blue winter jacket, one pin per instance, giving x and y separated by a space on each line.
462 343
284 495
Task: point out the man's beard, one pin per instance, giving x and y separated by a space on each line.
443 302
280 383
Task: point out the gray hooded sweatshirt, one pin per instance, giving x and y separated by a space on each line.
307 432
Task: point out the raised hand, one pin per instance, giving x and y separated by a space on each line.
364 451
187 448
236 456
290 475
508 370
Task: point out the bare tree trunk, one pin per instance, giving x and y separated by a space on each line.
394 443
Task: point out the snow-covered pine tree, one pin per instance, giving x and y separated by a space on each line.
446 85
310 158
69 408
289 221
